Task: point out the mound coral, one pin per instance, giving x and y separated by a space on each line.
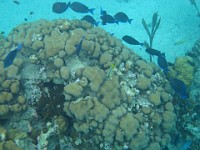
126 108
184 69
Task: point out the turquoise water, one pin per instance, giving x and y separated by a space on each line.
179 20
66 85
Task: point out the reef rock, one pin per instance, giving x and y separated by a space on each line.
110 94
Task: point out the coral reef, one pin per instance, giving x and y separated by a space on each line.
195 87
191 118
184 69
188 131
11 101
9 145
128 108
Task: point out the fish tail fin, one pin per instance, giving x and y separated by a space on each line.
142 44
91 11
130 20
96 23
7 62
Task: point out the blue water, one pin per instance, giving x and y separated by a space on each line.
179 21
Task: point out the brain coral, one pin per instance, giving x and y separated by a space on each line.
111 95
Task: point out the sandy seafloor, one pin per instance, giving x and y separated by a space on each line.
179 20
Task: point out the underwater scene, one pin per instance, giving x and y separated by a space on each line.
100 75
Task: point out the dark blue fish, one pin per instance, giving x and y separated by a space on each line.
60 7
122 17
162 63
152 51
179 87
11 56
80 8
131 40
79 46
90 19
107 19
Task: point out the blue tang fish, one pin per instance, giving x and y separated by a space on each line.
122 17
130 40
152 51
90 19
162 63
60 7
179 87
106 18
80 8
79 46
11 56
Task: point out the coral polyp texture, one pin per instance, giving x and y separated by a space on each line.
114 98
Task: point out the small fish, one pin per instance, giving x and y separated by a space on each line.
122 17
152 51
31 13
79 46
16 2
11 56
60 7
182 41
112 34
90 19
162 63
179 87
80 8
131 40
107 19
